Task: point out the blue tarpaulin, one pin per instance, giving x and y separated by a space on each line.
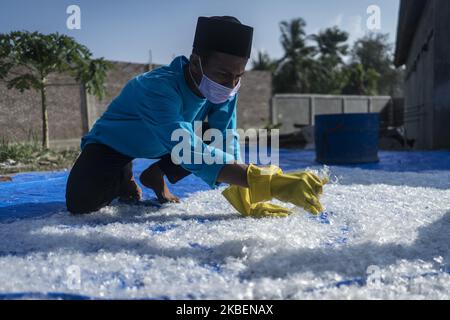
43 193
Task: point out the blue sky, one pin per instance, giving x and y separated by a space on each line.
127 30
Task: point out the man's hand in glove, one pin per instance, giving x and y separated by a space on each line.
300 188
239 198
252 186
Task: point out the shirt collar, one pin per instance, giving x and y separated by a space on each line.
177 66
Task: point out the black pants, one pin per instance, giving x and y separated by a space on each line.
99 173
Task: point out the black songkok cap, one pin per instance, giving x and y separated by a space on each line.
224 36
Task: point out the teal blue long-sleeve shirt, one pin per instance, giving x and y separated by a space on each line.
140 121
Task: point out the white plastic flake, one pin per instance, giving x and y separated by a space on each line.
385 235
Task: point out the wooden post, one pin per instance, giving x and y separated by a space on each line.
84 109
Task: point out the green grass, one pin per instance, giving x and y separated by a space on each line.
31 156
18 152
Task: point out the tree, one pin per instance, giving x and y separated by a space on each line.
264 62
359 81
331 44
36 56
296 66
375 52
331 48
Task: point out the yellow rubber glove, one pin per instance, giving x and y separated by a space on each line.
239 198
300 188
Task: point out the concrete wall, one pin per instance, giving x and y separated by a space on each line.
20 113
254 100
253 103
117 77
291 110
72 112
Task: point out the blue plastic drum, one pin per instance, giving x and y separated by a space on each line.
347 138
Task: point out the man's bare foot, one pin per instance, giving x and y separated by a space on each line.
130 192
153 177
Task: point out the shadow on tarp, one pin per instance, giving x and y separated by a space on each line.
27 210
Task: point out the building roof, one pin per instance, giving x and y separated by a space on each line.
408 19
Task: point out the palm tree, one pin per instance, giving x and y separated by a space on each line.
264 62
294 68
359 81
331 44
374 51
331 48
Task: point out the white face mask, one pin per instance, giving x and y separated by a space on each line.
213 91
